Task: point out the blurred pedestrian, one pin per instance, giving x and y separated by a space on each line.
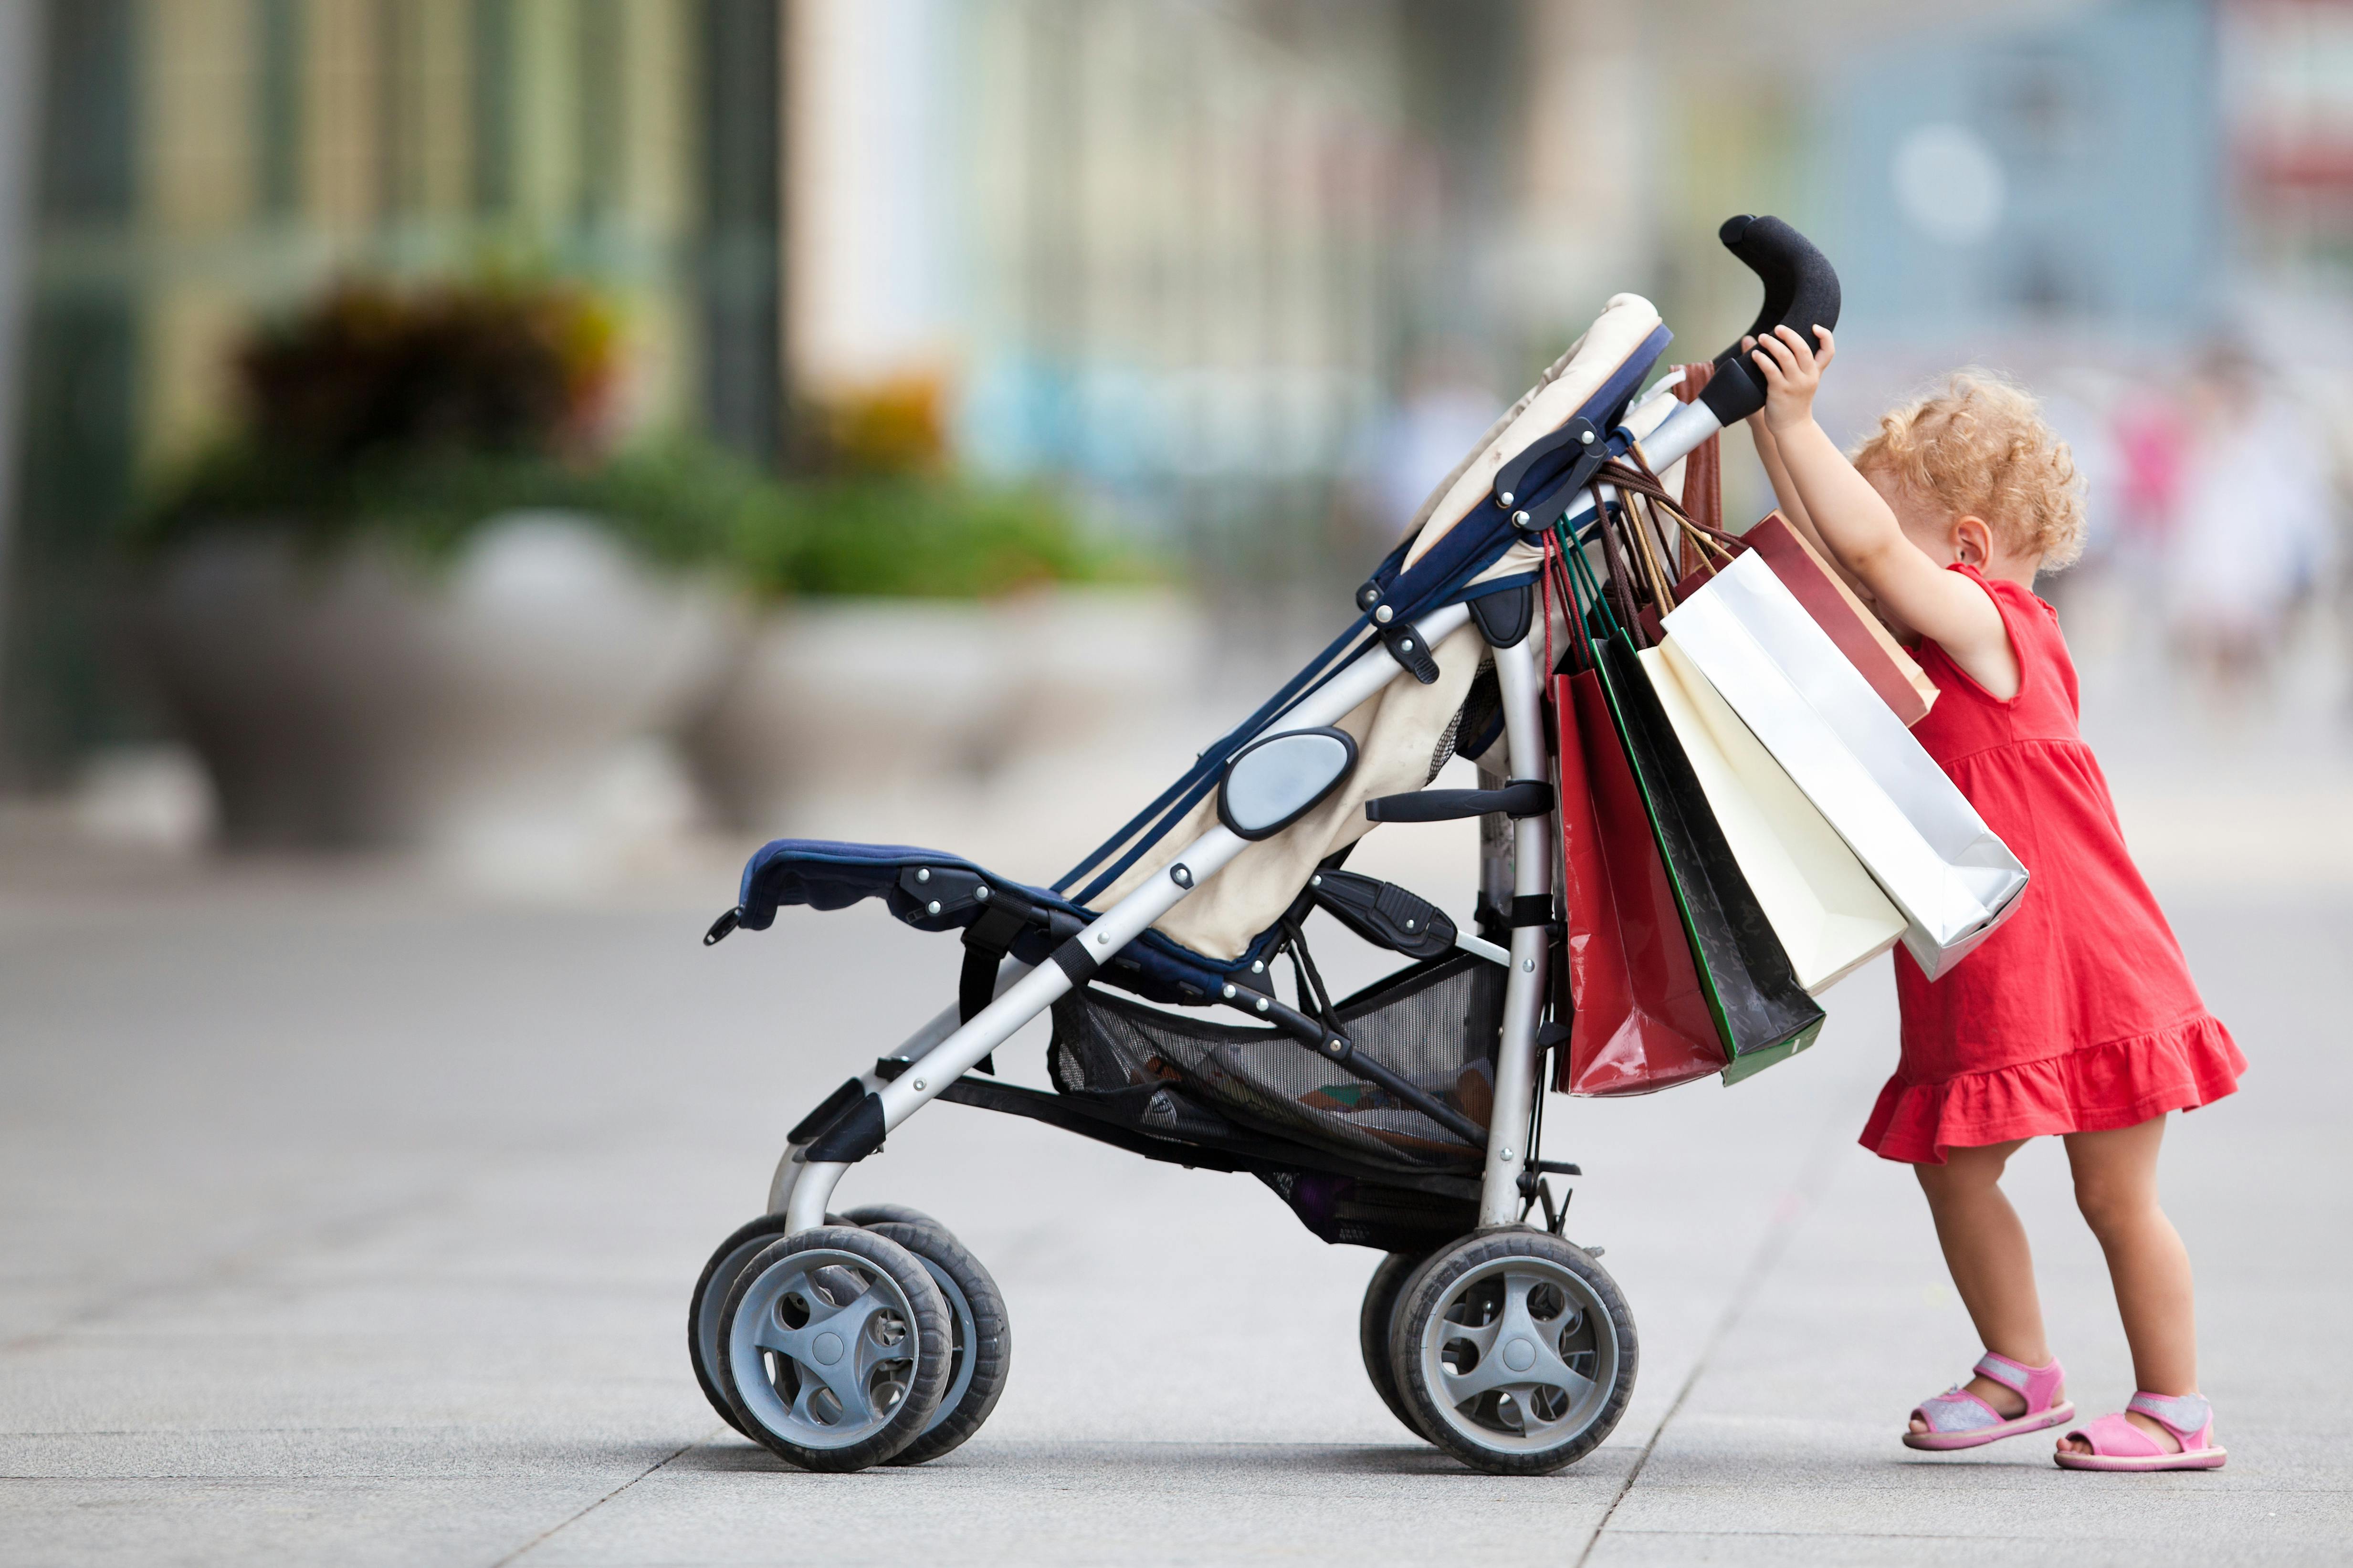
2255 526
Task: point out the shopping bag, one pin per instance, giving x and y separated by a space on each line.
1870 646
1762 1014
1840 743
1830 915
1638 1019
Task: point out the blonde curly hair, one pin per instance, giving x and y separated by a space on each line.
1981 448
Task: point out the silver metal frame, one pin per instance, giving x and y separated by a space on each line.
942 1051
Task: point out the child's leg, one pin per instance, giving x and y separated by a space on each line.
2115 1187
1985 1248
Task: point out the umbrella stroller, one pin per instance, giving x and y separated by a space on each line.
1405 1118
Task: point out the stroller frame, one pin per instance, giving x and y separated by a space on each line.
874 1337
944 1050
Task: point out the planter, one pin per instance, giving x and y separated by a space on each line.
501 710
836 699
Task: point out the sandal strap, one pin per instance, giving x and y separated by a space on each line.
2034 1384
2183 1414
2114 1437
1957 1410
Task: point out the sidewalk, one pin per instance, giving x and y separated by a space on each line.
344 1219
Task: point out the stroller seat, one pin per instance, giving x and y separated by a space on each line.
933 890
1248 1092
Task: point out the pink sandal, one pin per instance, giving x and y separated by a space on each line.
2119 1444
1960 1419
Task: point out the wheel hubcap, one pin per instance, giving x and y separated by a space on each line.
1520 1355
822 1349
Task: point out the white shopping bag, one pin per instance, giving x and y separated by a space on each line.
1830 916
1911 828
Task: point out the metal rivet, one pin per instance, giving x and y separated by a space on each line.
1230 990
1405 643
1102 938
1519 520
980 894
1527 966
1258 966
1314 881
1181 874
919 1086
1409 925
1504 1152
1261 1003
924 875
935 905
1587 437
1506 498
1382 614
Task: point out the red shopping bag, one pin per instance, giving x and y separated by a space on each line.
1639 1019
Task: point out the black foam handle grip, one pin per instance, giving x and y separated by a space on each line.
1801 290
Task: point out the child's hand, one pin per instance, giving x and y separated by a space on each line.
1792 371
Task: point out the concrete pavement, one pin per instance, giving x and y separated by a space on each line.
343 1219
346 1221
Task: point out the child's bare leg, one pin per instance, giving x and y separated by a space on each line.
2115 1187
1993 1269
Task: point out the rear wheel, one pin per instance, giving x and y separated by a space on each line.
872 1214
833 1348
1514 1352
981 1350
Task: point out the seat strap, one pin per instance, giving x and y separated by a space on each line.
986 942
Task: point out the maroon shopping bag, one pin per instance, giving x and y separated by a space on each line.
1639 1018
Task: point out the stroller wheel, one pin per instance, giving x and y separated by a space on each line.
1514 1351
873 1215
982 1350
833 1348
703 1312
1375 1324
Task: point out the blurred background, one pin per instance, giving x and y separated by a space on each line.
556 442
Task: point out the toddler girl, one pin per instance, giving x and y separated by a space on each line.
2078 1016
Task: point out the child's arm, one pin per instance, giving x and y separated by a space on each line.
1785 493
1854 521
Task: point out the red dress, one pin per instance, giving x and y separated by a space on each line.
2078 1014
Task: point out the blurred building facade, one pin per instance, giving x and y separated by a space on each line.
1195 257
1180 253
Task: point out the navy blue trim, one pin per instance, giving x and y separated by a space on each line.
1438 578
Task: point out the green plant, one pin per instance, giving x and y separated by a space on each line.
677 501
923 538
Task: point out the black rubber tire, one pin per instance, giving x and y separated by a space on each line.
703 1307
929 1327
1374 1322
870 1215
1429 1288
990 1348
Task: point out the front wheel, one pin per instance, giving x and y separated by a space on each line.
833 1348
1514 1352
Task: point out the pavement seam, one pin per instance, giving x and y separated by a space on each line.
536 1541
1811 1175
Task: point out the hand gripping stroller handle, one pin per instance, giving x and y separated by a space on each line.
1801 290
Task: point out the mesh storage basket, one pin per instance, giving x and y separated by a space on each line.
1435 1023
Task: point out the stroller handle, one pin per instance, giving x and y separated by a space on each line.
1801 290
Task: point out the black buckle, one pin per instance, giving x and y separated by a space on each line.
1563 461
1407 646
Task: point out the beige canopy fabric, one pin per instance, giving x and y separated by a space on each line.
1403 732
